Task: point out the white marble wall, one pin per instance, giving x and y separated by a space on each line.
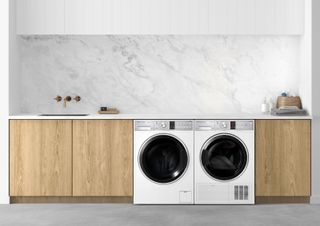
156 74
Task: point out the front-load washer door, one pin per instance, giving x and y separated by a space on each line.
224 157
163 159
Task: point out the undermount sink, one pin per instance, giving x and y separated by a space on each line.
63 114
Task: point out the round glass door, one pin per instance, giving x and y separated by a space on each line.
163 159
224 157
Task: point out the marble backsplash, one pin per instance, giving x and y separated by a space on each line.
198 75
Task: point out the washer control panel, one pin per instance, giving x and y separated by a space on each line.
210 125
166 125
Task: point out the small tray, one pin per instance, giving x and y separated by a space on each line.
109 111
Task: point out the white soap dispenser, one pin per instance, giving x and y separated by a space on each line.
264 106
270 104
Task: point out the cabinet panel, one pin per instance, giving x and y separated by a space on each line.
275 17
265 16
102 157
231 16
268 158
136 17
40 158
283 157
89 16
289 16
296 162
40 16
104 16
132 17
187 16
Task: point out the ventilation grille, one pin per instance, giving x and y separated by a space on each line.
241 192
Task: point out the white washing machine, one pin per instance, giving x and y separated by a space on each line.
163 162
224 162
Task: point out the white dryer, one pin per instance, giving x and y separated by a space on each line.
224 162
163 162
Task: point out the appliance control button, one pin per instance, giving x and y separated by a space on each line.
224 125
163 125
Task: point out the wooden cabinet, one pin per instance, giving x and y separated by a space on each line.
283 157
40 17
40 158
102 157
222 17
71 158
94 158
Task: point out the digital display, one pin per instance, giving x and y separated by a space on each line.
232 125
172 125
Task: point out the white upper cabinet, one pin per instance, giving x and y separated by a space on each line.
223 17
87 16
265 17
136 16
290 15
40 16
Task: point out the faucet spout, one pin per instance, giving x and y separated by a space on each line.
65 100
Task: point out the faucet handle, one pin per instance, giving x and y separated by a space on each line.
58 98
77 98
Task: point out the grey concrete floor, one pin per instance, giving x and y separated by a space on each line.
126 214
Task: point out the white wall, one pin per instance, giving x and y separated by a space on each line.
4 97
316 101
305 79
14 78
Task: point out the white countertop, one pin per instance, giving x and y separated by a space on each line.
161 116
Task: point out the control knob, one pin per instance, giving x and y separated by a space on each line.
224 125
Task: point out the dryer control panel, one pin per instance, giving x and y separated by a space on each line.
203 125
163 125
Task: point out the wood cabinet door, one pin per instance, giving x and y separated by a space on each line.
102 157
40 158
283 149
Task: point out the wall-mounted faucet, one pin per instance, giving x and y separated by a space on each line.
67 99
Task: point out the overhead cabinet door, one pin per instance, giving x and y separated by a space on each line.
88 16
222 17
136 16
40 16
274 17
